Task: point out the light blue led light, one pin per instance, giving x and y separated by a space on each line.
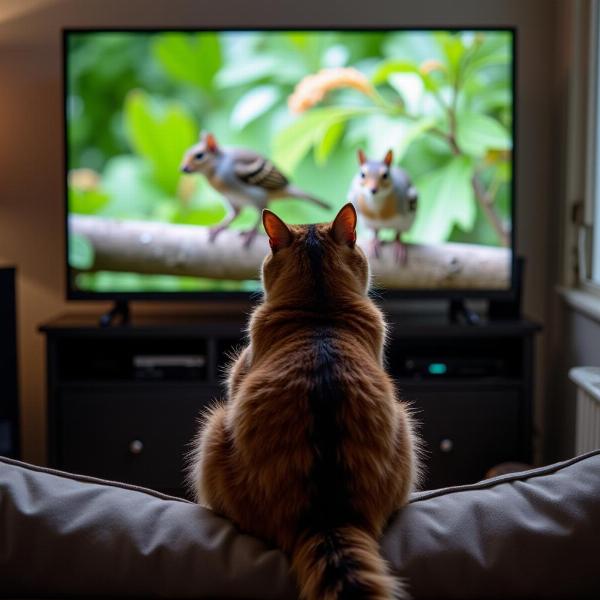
437 368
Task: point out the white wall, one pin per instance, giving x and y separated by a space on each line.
573 336
31 203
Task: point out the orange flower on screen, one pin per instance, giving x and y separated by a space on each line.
313 88
428 66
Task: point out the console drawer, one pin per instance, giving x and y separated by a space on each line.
134 433
466 432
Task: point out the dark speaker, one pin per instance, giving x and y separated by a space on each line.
9 401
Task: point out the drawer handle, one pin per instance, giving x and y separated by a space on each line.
446 445
136 447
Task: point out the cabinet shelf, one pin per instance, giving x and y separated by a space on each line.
134 384
460 383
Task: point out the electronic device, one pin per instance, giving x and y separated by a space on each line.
169 366
448 367
443 100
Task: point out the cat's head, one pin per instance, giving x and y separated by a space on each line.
314 265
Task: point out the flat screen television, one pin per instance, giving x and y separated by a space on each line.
168 132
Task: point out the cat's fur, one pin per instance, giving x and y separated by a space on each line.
312 450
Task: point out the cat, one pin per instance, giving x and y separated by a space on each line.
312 450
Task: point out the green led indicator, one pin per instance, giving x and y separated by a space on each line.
437 368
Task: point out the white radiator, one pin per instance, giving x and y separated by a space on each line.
587 428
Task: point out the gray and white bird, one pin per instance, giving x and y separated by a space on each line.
243 177
384 198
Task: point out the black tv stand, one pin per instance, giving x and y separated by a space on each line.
119 310
123 402
458 309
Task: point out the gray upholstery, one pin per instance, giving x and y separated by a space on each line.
533 535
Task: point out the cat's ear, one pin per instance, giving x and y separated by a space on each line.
279 233
343 228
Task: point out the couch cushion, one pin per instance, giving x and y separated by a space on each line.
534 534
530 535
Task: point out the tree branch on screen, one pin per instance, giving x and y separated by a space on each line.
486 202
167 249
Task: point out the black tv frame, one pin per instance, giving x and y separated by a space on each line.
511 293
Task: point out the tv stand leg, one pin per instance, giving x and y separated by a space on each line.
459 309
119 310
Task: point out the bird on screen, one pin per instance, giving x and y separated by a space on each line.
244 177
385 198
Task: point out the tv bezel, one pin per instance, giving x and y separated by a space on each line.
385 294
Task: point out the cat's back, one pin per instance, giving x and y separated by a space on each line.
304 365
317 389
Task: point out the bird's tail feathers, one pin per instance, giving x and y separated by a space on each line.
343 563
295 192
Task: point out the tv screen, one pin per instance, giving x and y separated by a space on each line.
176 140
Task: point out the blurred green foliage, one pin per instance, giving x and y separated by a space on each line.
137 101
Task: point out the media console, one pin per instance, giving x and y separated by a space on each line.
124 401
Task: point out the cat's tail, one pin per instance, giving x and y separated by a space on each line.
343 563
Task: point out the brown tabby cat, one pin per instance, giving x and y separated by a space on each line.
312 450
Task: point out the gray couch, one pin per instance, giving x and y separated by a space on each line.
534 534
